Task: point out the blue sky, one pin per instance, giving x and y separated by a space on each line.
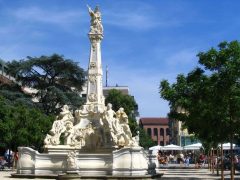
144 41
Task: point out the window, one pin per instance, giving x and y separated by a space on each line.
161 132
161 143
149 131
155 132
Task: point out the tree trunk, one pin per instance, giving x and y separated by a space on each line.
232 164
209 160
213 168
222 167
217 162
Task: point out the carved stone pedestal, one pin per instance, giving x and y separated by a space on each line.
130 161
125 161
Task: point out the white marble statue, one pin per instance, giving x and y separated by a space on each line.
102 129
124 132
65 114
93 125
96 21
109 125
68 134
63 120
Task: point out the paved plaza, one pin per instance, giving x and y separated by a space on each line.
191 174
6 175
169 173
176 171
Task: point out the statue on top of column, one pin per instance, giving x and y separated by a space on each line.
96 21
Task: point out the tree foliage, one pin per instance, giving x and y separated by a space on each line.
145 140
55 78
207 99
13 93
22 126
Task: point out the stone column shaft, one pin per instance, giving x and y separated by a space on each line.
94 88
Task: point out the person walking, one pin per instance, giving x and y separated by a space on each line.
187 161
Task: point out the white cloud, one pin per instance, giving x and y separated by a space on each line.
182 57
130 20
144 16
53 16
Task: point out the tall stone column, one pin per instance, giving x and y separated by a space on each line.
94 87
95 73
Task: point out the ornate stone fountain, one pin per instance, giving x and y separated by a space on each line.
97 140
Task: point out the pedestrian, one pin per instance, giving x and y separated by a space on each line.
181 159
187 161
8 157
171 158
15 159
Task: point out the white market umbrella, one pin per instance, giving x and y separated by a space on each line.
227 146
172 147
155 148
195 146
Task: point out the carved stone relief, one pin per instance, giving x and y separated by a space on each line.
93 65
94 46
92 97
71 160
92 78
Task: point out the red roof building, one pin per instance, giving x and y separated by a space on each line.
157 129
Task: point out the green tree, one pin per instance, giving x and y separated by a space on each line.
57 80
14 93
207 100
22 126
145 140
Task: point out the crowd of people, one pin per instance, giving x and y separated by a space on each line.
9 160
164 158
198 159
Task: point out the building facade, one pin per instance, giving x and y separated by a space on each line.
157 129
179 134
